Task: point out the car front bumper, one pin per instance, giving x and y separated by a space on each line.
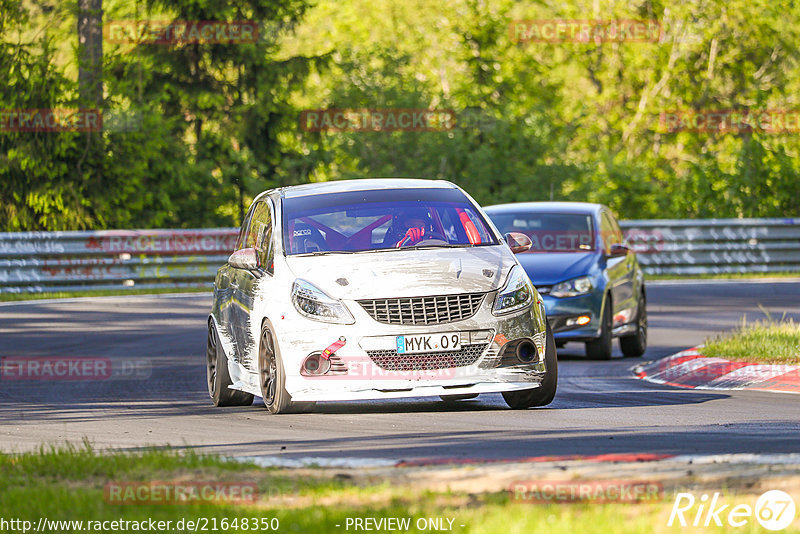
375 370
563 311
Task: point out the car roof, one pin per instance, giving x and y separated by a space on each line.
359 184
583 208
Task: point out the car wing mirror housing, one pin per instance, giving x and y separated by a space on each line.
518 242
616 250
245 258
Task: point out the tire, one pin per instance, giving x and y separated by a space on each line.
600 348
218 377
634 345
544 394
463 396
272 377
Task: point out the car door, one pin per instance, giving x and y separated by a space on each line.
225 285
619 269
245 283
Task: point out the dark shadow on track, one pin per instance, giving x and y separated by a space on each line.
728 439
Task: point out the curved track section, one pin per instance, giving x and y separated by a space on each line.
153 391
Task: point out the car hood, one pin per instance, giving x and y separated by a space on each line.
408 273
547 268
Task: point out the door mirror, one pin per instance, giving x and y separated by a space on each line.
518 242
616 250
245 258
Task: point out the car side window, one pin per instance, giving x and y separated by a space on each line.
620 237
259 235
610 231
240 241
606 235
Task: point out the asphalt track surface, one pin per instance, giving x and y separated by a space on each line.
600 407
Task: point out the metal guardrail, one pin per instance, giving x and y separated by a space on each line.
38 262
690 247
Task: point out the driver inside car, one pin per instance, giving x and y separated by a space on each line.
413 224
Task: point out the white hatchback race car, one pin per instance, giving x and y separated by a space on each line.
375 289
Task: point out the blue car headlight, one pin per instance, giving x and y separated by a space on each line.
572 288
515 295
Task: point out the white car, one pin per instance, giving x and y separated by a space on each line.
375 289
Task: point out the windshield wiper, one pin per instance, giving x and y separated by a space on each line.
325 252
449 245
371 250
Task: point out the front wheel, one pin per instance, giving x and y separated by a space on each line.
272 377
217 376
634 345
544 394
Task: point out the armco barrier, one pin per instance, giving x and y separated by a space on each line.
704 246
116 259
59 261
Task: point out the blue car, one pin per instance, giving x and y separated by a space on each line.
590 281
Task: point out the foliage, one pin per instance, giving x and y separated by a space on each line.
216 123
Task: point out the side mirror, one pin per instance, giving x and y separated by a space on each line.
518 242
618 250
245 258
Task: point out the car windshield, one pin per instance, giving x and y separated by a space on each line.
550 232
387 219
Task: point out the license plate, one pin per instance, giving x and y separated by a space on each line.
428 343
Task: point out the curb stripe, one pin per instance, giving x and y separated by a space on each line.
362 463
690 369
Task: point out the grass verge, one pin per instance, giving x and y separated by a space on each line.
71 484
765 341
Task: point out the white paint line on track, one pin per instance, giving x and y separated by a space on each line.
775 459
359 463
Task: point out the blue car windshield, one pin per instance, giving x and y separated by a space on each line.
386 219
550 232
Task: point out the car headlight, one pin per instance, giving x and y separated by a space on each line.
515 295
315 304
572 288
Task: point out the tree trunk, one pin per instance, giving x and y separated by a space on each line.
90 40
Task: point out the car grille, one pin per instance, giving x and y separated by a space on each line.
424 361
423 310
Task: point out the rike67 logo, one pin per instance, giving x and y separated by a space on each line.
774 510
